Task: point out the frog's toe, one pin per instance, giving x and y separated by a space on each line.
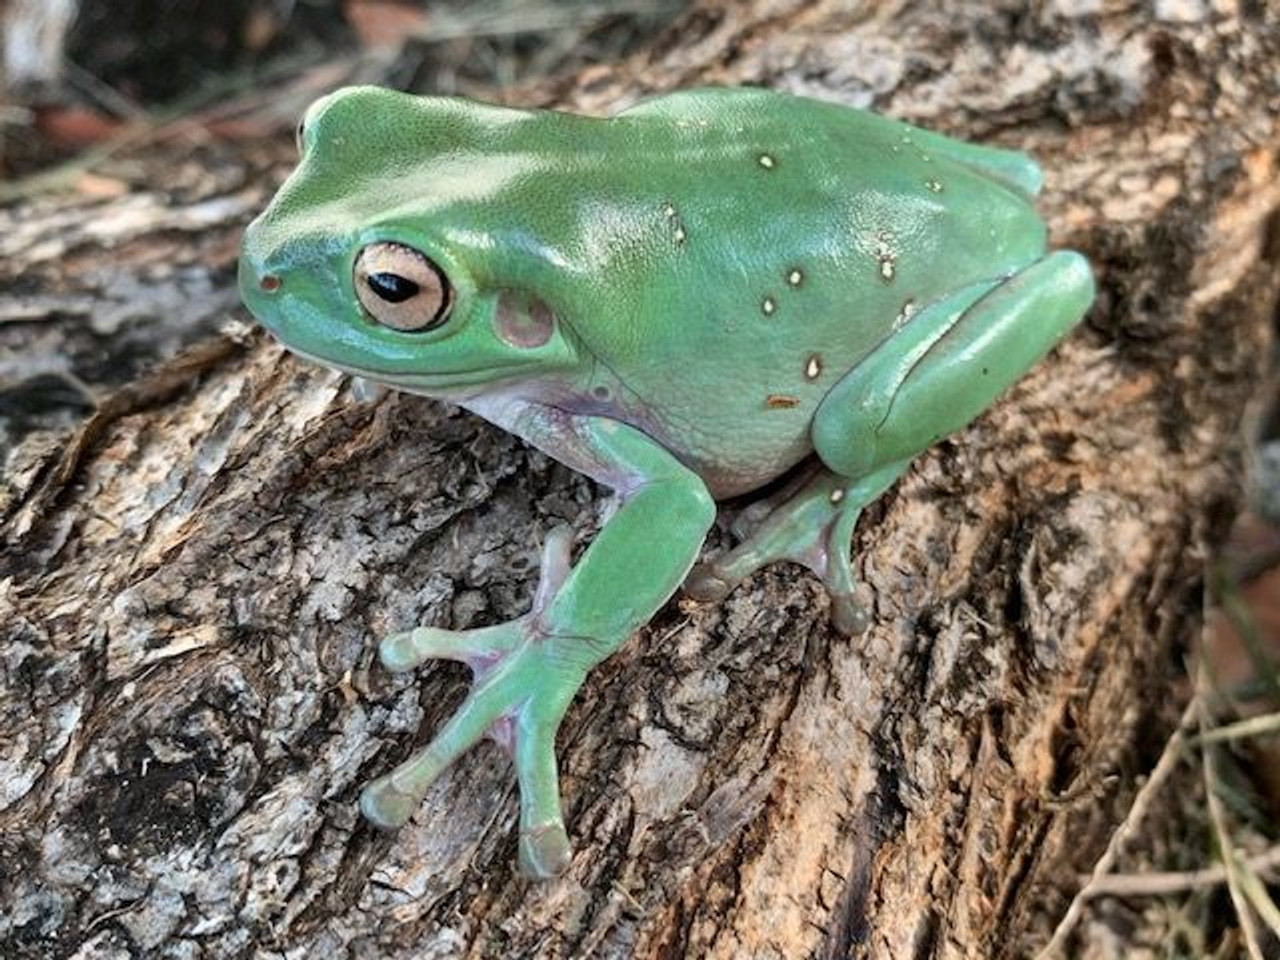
705 584
477 648
848 615
401 651
385 806
544 845
391 800
544 850
482 647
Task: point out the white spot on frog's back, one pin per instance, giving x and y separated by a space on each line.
767 161
768 305
676 225
893 231
886 257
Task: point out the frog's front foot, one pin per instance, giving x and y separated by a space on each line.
524 682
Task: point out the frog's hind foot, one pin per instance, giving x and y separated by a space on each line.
523 685
813 528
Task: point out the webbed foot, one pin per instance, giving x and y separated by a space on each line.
524 682
814 528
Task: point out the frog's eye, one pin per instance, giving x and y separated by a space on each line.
299 133
400 288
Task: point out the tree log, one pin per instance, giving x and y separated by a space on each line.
193 582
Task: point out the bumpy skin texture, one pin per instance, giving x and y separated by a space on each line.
684 302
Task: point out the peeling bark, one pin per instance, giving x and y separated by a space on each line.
192 584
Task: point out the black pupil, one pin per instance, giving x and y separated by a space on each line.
392 287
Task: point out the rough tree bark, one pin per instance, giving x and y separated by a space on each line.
193 583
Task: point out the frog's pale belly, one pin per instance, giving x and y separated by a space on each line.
736 460
733 456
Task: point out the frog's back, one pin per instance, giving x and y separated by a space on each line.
776 242
819 208
762 111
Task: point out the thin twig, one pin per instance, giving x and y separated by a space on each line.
1128 826
1259 898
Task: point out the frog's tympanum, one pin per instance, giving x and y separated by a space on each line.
684 301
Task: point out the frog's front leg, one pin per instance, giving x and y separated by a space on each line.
528 670
929 378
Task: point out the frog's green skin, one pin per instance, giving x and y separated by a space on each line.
683 301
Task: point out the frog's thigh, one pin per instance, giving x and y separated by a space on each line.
947 364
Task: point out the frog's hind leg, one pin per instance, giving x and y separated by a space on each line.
814 528
947 364
927 379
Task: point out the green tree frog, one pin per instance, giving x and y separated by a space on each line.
685 302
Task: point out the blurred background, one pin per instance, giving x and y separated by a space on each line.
123 121
78 72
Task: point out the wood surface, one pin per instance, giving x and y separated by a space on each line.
193 582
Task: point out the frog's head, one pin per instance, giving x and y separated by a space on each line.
383 255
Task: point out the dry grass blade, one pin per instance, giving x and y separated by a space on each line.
1253 727
1218 820
1137 811
1256 892
1163 882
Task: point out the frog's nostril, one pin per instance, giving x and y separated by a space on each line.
270 283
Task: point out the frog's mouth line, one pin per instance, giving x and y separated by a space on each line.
450 384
